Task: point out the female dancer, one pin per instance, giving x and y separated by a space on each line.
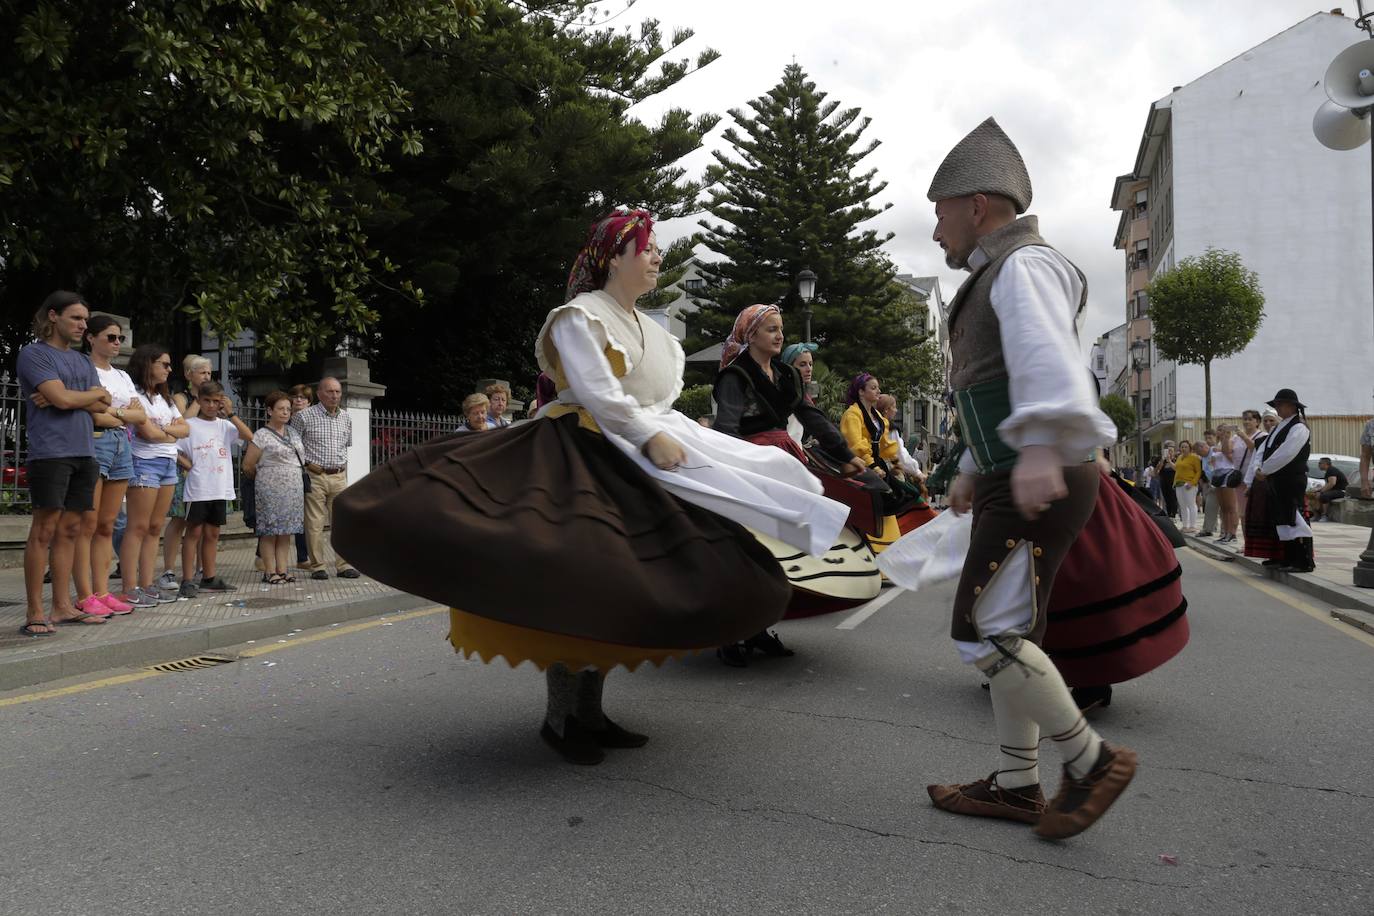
866 431
1261 536
607 494
757 396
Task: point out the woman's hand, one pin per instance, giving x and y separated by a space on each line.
665 452
881 472
853 467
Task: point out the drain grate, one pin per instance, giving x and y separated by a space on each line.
191 664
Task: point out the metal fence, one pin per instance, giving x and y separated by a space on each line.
14 476
397 431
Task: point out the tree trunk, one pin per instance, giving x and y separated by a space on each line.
1207 386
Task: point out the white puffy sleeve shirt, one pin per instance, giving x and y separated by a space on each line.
1036 296
1288 449
594 386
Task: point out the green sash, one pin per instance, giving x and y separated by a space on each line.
981 408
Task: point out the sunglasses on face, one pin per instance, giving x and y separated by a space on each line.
113 338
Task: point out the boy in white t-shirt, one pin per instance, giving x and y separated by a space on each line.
206 454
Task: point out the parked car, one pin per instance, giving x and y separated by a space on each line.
12 473
1349 465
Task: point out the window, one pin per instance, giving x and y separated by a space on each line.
1145 406
1101 361
1142 253
694 285
1142 198
1141 304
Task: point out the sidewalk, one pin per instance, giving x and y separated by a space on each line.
1337 549
188 627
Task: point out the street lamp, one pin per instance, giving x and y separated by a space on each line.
1343 124
806 289
1139 349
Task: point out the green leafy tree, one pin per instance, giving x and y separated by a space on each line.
529 138
206 155
792 194
1121 413
1207 308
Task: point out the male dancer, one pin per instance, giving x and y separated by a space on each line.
1030 424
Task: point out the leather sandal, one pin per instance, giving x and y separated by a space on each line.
985 798
1080 802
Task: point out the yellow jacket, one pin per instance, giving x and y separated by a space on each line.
856 437
1187 469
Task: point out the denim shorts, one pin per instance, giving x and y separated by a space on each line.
154 472
115 455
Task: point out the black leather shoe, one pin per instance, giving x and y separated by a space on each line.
768 644
575 745
1272 563
734 655
1086 698
613 736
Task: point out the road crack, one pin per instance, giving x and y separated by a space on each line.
764 810
1265 782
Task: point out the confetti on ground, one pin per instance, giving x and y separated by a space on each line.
269 664
1168 859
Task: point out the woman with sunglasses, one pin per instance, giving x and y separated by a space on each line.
155 473
95 546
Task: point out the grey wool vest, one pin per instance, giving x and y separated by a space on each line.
975 337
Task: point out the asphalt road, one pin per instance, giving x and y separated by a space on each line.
367 769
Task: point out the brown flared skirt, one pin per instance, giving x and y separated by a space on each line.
546 526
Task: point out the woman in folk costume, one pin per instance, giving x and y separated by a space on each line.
756 396
1029 419
866 433
1282 472
1261 537
1107 629
630 512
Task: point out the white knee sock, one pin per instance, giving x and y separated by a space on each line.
1032 689
1019 740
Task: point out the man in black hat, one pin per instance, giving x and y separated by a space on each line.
1283 468
1031 425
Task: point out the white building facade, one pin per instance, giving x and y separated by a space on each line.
1231 163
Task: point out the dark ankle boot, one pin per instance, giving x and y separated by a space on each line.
576 744
613 736
768 644
734 655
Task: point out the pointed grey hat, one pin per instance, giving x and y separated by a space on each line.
984 162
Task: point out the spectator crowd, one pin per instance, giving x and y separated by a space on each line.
123 469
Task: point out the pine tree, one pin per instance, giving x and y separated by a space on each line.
793 198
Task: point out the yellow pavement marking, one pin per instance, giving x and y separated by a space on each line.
118 679
1282 594
340 631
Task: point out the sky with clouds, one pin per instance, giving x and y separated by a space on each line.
1071 81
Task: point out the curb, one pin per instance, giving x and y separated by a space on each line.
152 648
1337 596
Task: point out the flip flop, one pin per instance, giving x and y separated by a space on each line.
27 630
89 620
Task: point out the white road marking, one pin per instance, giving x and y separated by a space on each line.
868 610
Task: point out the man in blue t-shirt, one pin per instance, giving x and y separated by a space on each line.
61 393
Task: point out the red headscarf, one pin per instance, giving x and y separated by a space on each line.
605 239
746 323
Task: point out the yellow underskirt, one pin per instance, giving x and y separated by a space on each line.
891 532
488 640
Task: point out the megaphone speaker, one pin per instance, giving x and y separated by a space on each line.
1337 127
1349 81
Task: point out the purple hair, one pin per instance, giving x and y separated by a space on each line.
852 395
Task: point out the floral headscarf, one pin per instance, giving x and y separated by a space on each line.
746 323
852 395
605 239
792 351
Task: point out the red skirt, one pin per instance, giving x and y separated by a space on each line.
1261 537
1117 609
783 441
